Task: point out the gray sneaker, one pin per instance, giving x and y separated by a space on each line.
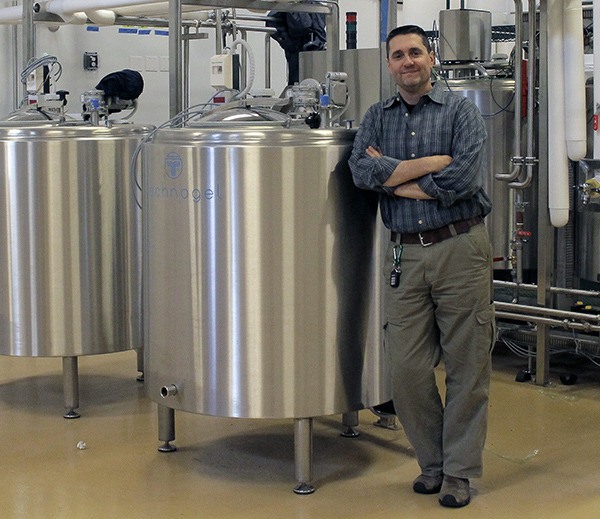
428 484
455 492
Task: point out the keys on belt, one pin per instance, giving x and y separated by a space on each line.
396 271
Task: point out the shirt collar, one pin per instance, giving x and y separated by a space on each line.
435 94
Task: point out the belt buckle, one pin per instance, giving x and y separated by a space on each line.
423 243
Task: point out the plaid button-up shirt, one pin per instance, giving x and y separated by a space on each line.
442 123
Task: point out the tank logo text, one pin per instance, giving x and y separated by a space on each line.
196 195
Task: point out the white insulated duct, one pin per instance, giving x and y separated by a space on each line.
11 14
574 77
73 6
72 11
101 16
78 18
162 9
558 169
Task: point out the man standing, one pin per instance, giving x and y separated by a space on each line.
423 151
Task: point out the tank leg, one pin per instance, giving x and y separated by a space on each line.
70 387
166 428
350 421
303 455
140 363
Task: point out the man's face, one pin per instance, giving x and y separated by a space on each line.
410 64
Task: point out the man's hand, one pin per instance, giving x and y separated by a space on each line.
373 152
413 169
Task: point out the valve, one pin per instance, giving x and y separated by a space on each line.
590 190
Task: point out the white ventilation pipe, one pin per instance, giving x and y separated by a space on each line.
558 169
162 8
574 77
79 18
101 16
73 6
11 14
72 11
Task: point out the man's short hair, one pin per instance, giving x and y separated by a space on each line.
407 29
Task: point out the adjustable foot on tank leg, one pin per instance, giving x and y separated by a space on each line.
140 364
386 414
166 428
349 422
387 422
528 374
70 387
303 455
525 375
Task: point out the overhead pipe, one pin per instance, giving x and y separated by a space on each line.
75 6
13 14
159 8
101 16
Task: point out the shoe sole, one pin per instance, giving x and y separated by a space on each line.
419 488
451 502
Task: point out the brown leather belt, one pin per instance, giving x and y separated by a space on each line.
427 238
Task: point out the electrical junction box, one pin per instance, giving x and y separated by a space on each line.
221 71
35 80
90 61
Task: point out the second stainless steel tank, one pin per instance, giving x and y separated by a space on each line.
261 274
69 227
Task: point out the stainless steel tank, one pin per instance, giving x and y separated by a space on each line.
70 281
495 99
465 35
261 271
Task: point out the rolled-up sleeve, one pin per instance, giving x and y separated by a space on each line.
368 172
462 178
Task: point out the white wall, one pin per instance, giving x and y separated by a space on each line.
118 50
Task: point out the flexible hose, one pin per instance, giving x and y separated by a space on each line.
251 67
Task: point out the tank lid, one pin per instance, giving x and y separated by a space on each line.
32 116
243 116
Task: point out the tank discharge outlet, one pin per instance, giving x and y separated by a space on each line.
167 391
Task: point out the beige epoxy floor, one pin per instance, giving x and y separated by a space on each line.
542 458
